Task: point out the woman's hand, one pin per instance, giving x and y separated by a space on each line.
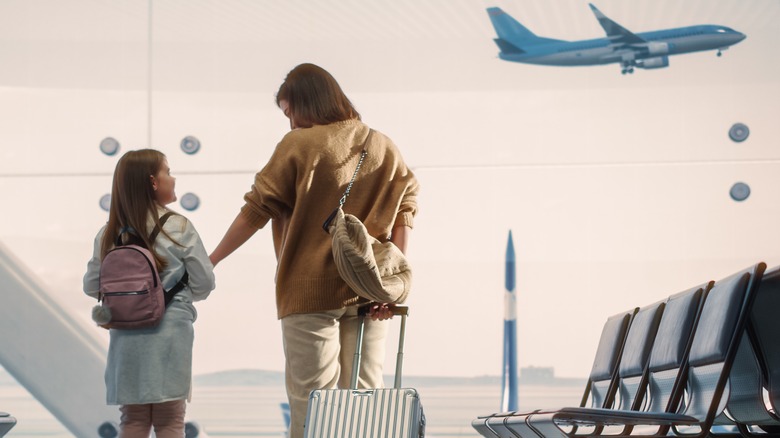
381 311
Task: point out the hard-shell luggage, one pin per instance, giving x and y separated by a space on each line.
367 413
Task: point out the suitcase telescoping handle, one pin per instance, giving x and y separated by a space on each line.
403 311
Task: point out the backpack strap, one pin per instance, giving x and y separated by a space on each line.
169 294
152 237
157 228
123 230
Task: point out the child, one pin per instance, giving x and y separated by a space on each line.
149 371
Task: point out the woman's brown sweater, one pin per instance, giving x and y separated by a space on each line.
301 185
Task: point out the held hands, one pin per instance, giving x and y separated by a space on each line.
381 311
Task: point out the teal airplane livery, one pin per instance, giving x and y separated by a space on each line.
646 50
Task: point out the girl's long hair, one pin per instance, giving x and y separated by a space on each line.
314 97
133 203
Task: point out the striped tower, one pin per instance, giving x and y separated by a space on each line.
509 367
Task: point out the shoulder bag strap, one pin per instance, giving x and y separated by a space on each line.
349 186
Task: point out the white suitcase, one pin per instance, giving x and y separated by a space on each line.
367 413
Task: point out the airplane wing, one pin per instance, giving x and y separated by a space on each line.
615 32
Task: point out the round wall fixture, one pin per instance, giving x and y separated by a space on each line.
739 132
190 145
105 202
108 430
190 201
109 146
739 191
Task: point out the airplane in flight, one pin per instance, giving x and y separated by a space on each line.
646 50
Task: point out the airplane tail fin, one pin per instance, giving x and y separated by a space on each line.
513 36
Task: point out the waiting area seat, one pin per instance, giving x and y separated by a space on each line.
600 388
7 422
754 381
688 381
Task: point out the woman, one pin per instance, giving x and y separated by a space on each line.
149 371
297 190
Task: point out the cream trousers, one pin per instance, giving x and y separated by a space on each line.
319 349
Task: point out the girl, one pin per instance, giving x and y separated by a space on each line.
149 371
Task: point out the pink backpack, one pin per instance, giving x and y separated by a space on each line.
131 290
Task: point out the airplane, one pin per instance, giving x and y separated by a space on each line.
647 50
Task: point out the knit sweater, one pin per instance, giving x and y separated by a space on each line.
301 185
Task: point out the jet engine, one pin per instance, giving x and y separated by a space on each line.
657 62
656 48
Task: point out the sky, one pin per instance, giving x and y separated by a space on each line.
615 188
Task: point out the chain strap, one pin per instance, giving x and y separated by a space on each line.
354 175
343 199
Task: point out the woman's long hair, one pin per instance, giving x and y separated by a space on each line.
133 203
314 97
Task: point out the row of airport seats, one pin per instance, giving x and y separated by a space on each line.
701 363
